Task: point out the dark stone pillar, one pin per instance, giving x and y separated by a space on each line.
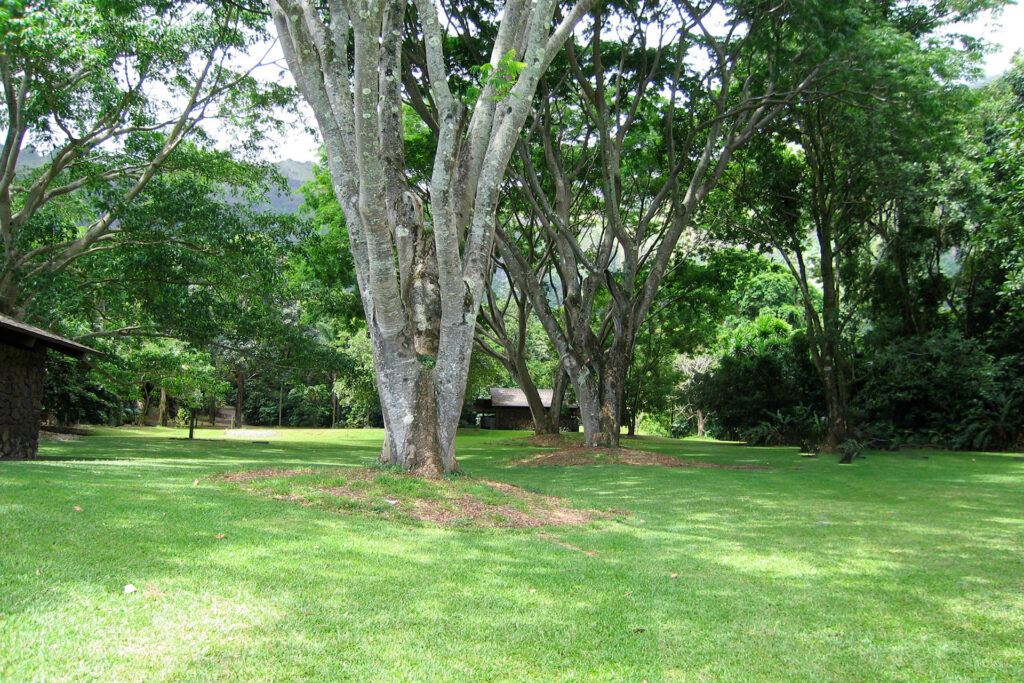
21 401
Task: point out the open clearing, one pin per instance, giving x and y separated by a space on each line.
895 568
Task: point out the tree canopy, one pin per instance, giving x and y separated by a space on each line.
780 222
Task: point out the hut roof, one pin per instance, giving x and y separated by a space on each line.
516 398
16 333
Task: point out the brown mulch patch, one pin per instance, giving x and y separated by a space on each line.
589 455
265 473
58 436
451 504
546 441
469 511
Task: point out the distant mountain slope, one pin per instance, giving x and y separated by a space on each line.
297 173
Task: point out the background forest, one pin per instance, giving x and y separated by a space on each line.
799 226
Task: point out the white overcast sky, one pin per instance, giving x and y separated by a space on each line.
1005 29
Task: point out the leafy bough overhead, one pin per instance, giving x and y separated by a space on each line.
98 99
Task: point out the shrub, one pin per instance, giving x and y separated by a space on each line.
925 389
766 384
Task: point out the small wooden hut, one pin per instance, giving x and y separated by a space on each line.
509 409
22 371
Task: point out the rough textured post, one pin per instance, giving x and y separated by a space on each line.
236 420
21 401
162 415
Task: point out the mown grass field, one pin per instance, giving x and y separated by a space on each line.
898 567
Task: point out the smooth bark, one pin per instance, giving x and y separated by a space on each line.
236 419
421 281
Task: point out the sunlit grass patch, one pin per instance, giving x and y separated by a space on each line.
894 568
458 502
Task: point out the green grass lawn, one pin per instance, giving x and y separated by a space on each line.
898 567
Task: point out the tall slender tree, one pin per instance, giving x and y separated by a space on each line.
824 190
650 114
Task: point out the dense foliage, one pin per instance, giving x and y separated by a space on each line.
848 270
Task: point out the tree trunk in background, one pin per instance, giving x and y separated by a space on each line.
146 392
513 352
280 405
559 384
236 419
610 413
334 400
542 422
836 399
601 396
162 411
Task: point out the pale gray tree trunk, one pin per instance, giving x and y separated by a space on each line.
162 413
421 283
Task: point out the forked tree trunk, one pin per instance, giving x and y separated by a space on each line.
421 287
417 448
601 395
601 414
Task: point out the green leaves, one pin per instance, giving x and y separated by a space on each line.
502 78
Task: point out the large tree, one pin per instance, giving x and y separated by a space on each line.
618 161
826 189
421 267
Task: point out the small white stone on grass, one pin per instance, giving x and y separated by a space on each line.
129 588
